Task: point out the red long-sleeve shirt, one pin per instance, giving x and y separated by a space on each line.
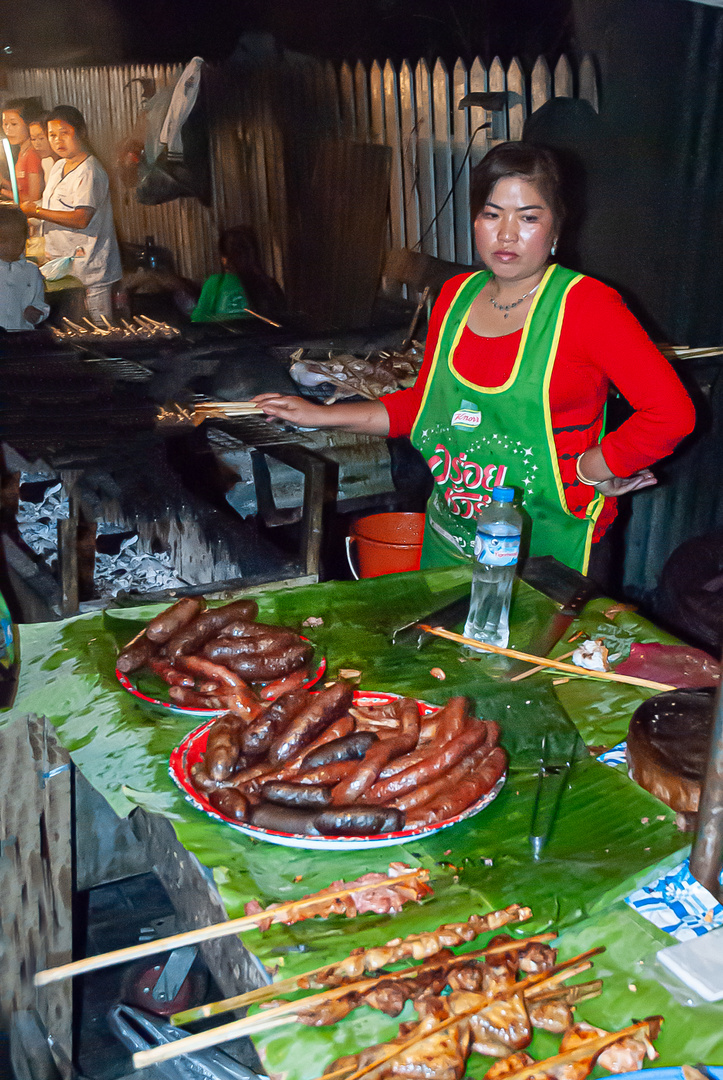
600 343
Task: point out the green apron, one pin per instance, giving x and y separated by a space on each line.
474 437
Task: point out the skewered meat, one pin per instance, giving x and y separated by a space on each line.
627 1055
499 1027
553 1016
508 1066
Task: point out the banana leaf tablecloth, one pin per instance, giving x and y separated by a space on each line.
610 835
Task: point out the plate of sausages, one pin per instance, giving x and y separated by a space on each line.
338 769
205 662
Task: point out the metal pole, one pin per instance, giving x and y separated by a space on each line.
706 861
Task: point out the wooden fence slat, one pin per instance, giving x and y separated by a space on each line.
422 138
393 138
461 168
497 81
563 77
361 103
347 107
408 123
479 83
541 83
588 81
517 110
443 171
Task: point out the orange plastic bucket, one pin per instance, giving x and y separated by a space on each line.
386 544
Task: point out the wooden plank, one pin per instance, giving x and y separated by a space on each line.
422 138
361 102
500 120
563 78
540 83
479 82
588 81
408 134
460 137
393 139
377 100
347 108
443 171
517 110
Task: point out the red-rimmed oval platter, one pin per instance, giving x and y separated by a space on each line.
147 687
192 747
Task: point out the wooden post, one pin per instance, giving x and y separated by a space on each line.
706 861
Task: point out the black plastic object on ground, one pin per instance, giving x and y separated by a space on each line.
692 583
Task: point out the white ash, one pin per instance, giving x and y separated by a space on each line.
129 569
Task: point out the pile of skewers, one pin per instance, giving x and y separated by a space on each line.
140 327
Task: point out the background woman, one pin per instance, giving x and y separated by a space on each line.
76 211
18 114
243 284
39 138
518 362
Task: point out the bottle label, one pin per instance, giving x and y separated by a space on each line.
496 550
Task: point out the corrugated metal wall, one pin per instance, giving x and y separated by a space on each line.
260 114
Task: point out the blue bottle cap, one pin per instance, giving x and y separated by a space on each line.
503 494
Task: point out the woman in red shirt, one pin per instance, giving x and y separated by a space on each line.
518 362
17 115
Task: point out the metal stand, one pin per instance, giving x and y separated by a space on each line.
706 861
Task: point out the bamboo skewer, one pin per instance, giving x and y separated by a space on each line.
572 669
539 667
208 933
395 1050
587 1049
252 1025
262 317
285 986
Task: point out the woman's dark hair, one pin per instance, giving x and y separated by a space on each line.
13 219
72 116
41 119
240 249
28 109
537 164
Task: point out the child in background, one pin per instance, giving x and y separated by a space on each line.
22 289
243 284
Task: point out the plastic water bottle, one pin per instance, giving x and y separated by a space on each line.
496 550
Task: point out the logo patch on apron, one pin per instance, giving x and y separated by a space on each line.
467 417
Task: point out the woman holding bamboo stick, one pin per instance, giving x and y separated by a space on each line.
518 362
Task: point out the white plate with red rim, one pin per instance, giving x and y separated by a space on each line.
191 749
128 682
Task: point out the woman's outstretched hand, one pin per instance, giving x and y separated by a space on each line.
622 485
295 410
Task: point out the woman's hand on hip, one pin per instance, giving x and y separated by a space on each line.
622 485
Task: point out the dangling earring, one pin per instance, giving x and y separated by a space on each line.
553 249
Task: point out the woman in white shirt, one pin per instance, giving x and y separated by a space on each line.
76 211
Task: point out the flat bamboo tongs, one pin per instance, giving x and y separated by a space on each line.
542 661
208 933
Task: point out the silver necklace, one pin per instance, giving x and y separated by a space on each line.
507 308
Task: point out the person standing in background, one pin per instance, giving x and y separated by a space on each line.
39 138
76 211
18 114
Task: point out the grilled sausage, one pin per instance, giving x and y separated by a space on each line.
168 673
341 727
200 778
223 649
272 690
333 773
464 769
355 787
284 819
328 705
438 761
449 722
349 748
208 624
231 803
223 752
199 665
359 821
135 656
189 699
455 800
273 665
300 796
173 619
243 628
272 722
